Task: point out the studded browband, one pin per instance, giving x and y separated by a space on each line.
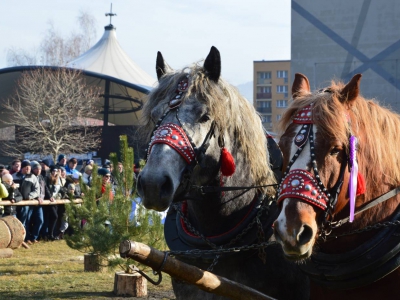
175 136
172 134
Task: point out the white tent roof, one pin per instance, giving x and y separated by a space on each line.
108 58
123 83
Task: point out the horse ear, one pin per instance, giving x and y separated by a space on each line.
351 90
162 67
212 64
300 85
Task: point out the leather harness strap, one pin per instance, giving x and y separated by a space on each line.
361 266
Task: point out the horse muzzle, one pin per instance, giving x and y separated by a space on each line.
160 178
156 192
296 229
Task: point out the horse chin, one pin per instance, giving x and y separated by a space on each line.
298 258
297 253
161 205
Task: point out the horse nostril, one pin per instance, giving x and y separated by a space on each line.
305 235
167 187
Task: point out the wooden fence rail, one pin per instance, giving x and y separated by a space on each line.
35 202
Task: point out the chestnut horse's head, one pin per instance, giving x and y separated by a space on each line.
315 146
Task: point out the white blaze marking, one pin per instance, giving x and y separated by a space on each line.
301 163
304 158
282 226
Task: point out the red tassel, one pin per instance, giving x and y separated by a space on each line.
361 188
228 166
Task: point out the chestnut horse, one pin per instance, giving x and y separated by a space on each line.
339 194
208 161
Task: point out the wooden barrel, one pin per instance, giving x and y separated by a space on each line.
12 232
5 235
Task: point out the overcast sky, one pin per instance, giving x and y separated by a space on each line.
184 31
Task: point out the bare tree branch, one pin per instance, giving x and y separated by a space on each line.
20 57
55 49
48 108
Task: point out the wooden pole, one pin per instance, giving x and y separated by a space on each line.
204 280
35 202
25 245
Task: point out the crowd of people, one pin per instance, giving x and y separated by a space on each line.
40 180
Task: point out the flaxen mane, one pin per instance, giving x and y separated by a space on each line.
232 113
376 127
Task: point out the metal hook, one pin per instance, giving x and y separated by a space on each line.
136 269
155 272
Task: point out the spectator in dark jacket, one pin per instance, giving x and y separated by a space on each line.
45 163
35 215
13 195
62 223
51 212
29 188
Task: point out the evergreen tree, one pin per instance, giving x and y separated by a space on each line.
104 220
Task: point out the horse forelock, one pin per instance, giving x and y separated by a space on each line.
233 115
329 114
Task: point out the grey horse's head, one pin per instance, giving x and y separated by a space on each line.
190 117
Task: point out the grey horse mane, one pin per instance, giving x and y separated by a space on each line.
233 115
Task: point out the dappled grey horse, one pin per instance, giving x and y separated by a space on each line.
208 162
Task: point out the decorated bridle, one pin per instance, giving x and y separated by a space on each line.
308 187
177 138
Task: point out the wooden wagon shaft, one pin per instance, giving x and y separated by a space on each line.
202 279
35 202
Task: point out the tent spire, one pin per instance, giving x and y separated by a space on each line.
111 14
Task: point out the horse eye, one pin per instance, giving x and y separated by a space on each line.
153 116
334 151
204 118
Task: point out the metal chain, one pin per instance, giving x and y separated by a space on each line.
214 263
261 239
198 252
367 228
220 249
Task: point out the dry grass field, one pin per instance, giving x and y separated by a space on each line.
51 270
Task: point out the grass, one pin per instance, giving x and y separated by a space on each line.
52 270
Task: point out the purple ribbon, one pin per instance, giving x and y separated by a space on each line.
353 175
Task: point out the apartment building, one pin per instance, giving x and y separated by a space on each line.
271 91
